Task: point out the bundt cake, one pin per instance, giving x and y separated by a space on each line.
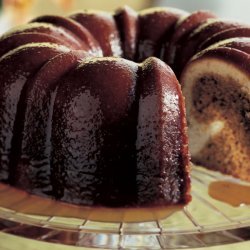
91 113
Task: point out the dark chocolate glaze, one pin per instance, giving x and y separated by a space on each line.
93 140
225 34
199 35
15 71
127 23
162 154
80 33
239 43
155 27
239 58
103 131
30 155
14 41
58 32
182 30
103 28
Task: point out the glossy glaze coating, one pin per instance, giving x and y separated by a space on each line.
155 26
182 30
93 139
239 43
79 32
11 42
239 58
49 29
15 71
200 34
162 149
103 28
30 156
127 23
225 34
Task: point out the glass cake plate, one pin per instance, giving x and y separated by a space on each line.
206 221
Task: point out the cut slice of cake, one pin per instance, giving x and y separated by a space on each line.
216 86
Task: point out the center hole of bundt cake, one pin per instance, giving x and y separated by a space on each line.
223 106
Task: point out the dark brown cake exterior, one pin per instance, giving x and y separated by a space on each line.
183 30
127 24
200 34
14 73
88 129
155 27
93 139
103 28
159 125
30 154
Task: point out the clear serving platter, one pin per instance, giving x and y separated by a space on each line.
204 222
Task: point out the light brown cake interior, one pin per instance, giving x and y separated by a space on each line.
218 107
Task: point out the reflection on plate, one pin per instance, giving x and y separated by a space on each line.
22 202
204 222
